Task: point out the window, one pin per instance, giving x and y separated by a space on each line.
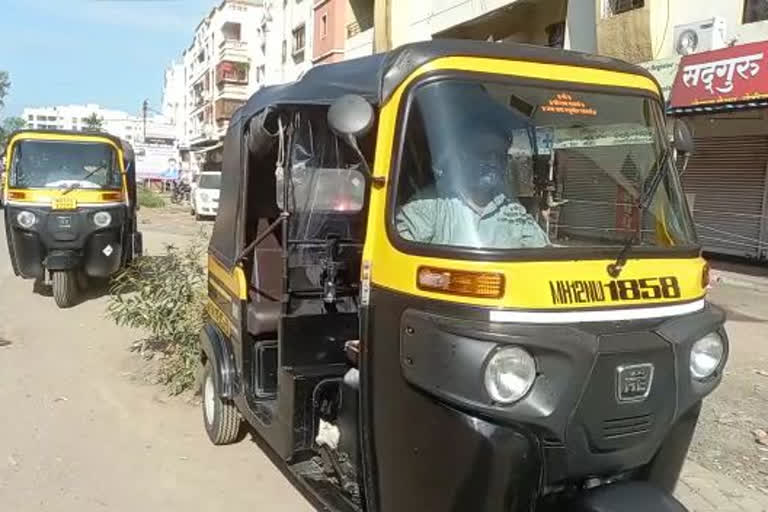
478 156
755 10
324 26
31 117
285 50
614 7
298 39
261 71
44 164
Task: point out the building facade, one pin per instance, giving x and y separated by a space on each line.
711 59
121 124
173 104
220 69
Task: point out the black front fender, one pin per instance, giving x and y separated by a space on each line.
218 350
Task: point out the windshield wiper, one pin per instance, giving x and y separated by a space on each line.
649 190
77 185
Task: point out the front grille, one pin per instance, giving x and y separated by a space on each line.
618 428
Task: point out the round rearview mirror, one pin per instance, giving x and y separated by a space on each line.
683 137
350 116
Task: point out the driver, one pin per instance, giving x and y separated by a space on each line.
471 205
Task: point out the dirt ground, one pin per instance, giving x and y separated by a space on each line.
83 430
724 441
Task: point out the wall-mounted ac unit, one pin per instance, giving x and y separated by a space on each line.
700 36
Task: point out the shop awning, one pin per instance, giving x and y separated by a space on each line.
721 80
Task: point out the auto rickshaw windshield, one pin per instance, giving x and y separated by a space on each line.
506 166
60 164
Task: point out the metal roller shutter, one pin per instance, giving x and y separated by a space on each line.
598 209
726 180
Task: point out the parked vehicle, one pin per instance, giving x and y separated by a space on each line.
180 192
204 198
70 208
461 276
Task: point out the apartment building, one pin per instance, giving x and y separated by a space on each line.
220 69
285 34
173 104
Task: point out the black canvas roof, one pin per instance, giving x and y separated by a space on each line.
377 76
124 144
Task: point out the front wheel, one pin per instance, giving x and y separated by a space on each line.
221 417
64 288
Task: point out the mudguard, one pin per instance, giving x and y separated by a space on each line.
218 350
628 497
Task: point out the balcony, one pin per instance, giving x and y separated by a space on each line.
359 44
233 50
233 91
232 73
225 108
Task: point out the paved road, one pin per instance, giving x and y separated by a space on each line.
77 434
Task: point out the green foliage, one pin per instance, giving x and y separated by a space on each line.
93 123
165 296
5 85
8 126
149 198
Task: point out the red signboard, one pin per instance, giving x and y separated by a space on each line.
730 75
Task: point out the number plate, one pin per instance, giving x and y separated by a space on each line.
64 203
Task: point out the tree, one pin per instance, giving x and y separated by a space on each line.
8 126
93 123
5 84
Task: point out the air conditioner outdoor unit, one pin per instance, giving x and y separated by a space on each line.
700 36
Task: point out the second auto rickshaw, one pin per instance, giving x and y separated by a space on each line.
70 211
463 277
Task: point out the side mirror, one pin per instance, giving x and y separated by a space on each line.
350 117
682 137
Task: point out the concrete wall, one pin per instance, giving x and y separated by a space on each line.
688 11
581 26
627 35
515 20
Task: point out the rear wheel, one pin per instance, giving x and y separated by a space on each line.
221 417
64 288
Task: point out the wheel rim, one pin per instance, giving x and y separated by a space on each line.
209 397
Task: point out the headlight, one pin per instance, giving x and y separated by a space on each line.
26 219
706 356
102 219
509 374
204 197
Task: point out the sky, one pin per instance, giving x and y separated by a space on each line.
109 52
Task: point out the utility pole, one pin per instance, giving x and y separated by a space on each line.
144 108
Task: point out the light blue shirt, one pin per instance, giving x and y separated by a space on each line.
501 224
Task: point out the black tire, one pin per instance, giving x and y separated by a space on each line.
224 425
64 288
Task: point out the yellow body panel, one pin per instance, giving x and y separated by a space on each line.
529 285
49 196
234 281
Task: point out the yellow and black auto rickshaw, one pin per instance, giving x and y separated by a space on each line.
461 276
70 212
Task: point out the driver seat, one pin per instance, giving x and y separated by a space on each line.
263 313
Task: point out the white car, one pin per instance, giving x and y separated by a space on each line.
204 197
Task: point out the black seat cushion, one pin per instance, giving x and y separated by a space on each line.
263 317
